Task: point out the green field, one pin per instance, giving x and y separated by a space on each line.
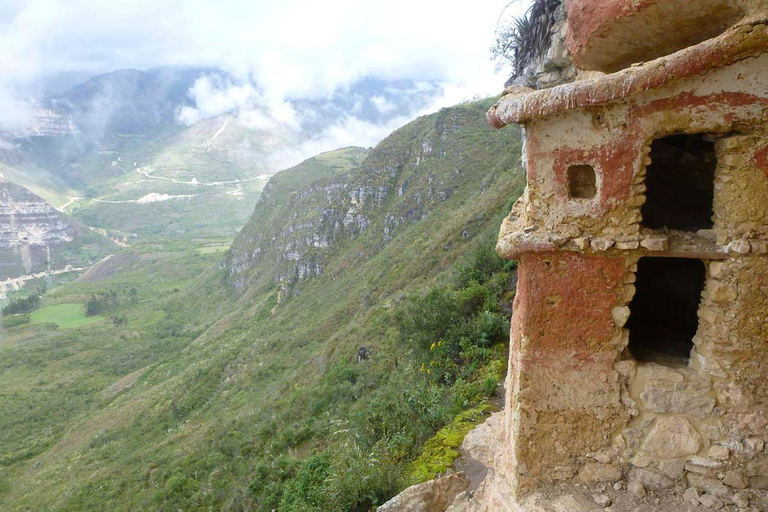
66 316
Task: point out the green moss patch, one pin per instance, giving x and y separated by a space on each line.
442 450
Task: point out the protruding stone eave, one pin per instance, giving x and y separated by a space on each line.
745 40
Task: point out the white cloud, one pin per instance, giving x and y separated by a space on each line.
382 104
289 49
292 47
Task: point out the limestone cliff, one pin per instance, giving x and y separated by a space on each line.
298 226
35 237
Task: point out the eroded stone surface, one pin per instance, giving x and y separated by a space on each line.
431 496
611 35
483 443
671 438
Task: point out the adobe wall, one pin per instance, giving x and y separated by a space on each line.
615 139
563 399
580 407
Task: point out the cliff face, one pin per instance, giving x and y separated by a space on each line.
49 123
297 227
34 236
44 122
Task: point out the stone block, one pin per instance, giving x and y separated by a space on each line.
672 438
717 269
718 452
708 314
710 366
662 400
691 495
601 244
576 503
628 246
738 247
706 463
649 479
758 246
735 479
710 485
655 243
637 489
581 242
740 500
672 468
620 315
653 371
721 292
754 444
712 502
596 472
626 368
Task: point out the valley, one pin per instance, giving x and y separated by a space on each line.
221 371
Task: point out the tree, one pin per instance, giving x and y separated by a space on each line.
22 305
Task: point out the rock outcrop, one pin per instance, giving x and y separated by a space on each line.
431 496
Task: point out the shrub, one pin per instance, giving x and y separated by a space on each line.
22 305
13 321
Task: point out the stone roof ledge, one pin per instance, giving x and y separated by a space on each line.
746 39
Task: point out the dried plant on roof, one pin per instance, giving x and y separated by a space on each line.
524 39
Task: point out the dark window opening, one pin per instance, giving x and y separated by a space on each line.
680 183
663 313
582 182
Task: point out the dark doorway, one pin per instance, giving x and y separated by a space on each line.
680 183
663 313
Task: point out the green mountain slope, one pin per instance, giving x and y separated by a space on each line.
235 385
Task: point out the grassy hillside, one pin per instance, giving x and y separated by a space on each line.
235 385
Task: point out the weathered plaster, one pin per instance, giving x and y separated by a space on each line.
580 408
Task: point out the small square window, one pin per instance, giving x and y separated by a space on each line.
582 182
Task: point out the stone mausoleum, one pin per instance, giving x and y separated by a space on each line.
639 347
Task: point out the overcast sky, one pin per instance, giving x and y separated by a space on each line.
291 48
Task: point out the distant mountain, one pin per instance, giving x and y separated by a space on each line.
110 144
297 233
369 99
129 101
